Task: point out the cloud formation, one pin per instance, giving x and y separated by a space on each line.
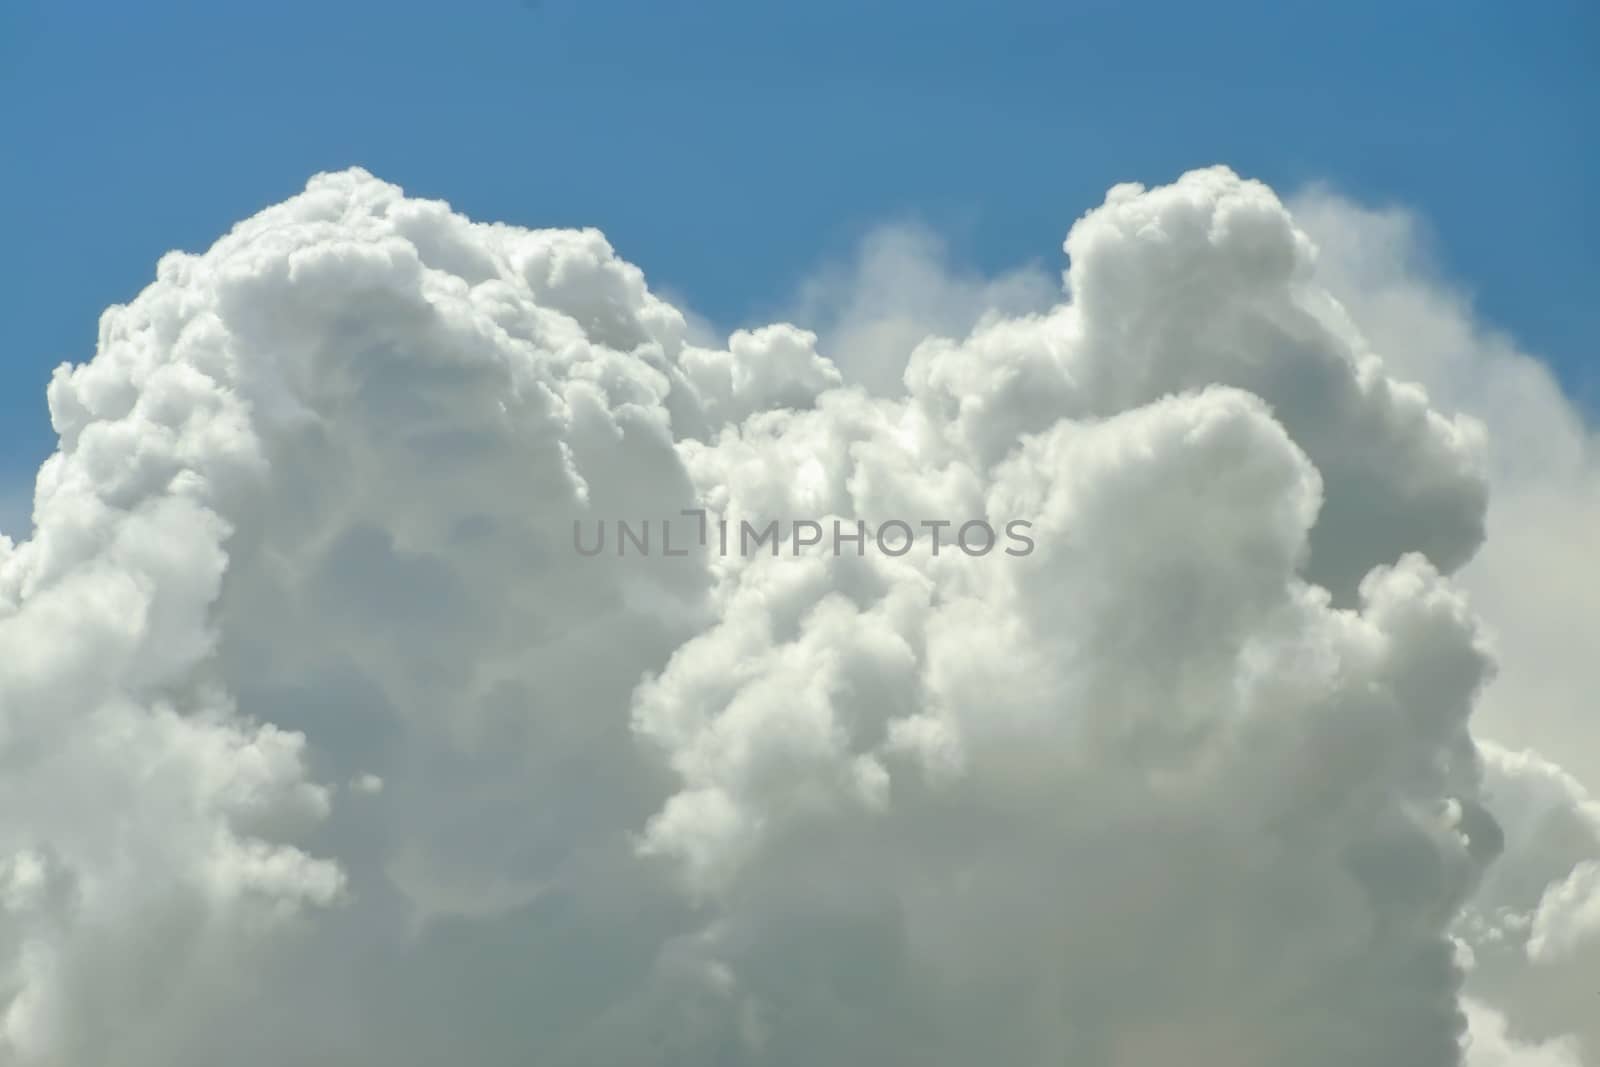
323 745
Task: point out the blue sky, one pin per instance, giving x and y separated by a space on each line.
730 148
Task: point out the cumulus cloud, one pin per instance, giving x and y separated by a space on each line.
323 744
1535 581
1489 1045
1536 587
902 288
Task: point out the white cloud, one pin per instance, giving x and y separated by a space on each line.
366 784
1537 588
901 289
1192 782
1491 1046
1535 581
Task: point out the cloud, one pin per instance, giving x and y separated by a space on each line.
323 744
1534 582
1536 587
1490 1046
902 289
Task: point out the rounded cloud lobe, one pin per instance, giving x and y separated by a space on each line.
322 744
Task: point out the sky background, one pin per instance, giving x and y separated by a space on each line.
733 148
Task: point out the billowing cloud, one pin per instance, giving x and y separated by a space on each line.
1489 1044
1535 581
902 288
1535 585
323 743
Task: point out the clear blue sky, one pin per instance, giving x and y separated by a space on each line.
729 146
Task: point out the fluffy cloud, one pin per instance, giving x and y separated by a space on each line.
901 289
1535 581
323 744
1534 584
1489 1045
